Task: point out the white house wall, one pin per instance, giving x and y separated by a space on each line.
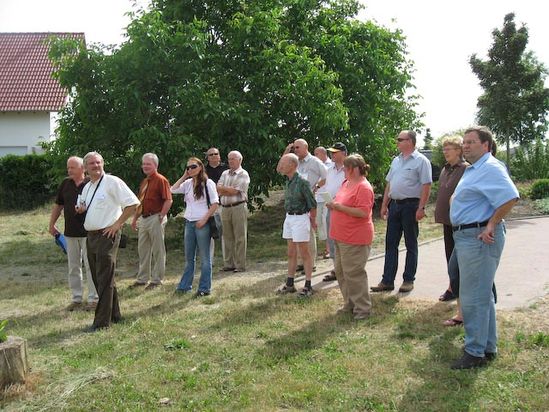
22 132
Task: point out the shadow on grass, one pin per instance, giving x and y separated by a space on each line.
442 388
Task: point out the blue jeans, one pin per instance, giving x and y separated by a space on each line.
331 242
196 237
478 262
401 219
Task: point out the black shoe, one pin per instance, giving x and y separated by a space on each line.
490 356
468 361
201 294
447 296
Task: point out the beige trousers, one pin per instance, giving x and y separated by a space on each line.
151 246
77 254
350 268
235 235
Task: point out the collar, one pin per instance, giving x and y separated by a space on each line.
483 159
306 158
413 155
235 172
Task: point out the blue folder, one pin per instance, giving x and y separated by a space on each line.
61 242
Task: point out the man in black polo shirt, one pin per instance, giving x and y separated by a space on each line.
214 169
75 234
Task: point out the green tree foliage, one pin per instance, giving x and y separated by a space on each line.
25 181
428 140
515 102
250 76
531 161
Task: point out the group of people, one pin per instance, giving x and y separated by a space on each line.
96 205
330 196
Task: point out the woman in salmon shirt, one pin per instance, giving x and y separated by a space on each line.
352 229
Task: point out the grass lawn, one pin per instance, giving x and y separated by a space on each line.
244 348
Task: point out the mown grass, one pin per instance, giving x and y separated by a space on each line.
244 348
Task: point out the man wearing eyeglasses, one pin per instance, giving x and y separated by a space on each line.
150 220
214 169
406 194
233 191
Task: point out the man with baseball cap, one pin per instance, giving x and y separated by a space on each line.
334 179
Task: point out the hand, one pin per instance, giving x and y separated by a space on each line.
330 205
384 212
80 209
487 235
420 214
112 230
161 217
201 223
53 230
134 223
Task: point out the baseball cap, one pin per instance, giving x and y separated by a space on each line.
338 147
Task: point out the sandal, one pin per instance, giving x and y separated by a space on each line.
453 322
305 292
447 296
331 277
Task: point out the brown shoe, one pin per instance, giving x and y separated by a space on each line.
74 306
331 277
151 286
382 287
406 287
90 306
137 285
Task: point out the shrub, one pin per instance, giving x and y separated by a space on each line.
540 189
531 161
25 181
542 205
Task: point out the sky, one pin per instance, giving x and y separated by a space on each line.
441 36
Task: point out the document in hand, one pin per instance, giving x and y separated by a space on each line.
61 242
326 196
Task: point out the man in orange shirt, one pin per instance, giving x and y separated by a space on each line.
151 217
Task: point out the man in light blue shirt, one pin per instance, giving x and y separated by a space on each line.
483 197
406 194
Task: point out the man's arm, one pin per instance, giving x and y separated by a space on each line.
423 199
112 230
487 235
165 208
385 202
55 213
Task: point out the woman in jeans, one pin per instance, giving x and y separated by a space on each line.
193 185
352 229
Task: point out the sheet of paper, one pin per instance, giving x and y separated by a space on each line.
326 196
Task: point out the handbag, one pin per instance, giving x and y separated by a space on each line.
214 231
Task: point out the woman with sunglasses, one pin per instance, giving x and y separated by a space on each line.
193 184
352 229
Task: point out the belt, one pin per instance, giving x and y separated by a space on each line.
96 232
296 213
148 215
407 200
469 226
234 204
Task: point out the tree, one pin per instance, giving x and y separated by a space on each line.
251 76
515 102
428 140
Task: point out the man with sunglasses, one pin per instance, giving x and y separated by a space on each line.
406 194
214 169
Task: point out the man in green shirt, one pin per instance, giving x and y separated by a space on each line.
300 206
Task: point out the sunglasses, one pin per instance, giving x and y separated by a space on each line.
189 167
400 139
213 154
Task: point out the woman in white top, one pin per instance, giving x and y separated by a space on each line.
197 230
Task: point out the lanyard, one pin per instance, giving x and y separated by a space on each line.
95 191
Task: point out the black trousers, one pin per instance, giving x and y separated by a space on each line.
102 252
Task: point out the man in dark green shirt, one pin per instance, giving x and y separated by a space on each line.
300 206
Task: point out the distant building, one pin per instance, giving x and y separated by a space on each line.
29 96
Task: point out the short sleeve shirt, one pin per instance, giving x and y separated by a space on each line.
111 197
154 190
449 178
298 196
350 229
311 169
484 187
67 194
407 175
239 180
196 209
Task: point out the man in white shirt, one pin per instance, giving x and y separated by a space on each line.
108 202
321 210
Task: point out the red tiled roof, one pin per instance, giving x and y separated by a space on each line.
25 73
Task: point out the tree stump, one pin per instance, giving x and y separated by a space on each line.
13 361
